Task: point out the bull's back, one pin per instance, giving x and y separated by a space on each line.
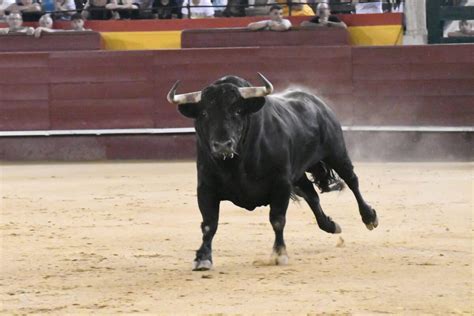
302 126
301 113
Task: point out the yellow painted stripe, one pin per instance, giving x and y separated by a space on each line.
141 40
376 35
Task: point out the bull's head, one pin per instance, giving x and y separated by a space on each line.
221 112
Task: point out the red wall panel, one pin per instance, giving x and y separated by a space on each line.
24 115
413 110
23 60
21 91
243 37
423 54
101 113
60 41
412 71
101 90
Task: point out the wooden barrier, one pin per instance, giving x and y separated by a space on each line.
363 146
59 41
414 85
409 86
243 37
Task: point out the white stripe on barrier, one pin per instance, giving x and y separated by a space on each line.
437 129
190 130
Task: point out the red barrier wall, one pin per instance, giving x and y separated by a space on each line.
420 85
59 41
243 37
414 85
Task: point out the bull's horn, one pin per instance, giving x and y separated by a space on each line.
252 92
192 97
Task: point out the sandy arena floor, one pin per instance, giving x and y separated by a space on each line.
120 237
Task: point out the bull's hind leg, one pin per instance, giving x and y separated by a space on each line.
307 191
344 168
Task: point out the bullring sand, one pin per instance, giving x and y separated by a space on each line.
104 238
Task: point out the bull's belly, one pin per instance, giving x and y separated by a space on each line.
249 204
248 197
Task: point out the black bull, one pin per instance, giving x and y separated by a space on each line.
254 149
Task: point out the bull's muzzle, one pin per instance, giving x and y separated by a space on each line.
223 149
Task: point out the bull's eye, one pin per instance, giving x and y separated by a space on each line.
237 113
203 114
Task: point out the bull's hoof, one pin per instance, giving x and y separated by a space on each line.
337 228
331 227
280 259
373 223
202 265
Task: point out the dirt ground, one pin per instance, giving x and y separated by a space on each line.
117 237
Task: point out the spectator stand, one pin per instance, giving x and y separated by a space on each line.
145 34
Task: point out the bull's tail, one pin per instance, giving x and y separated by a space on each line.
325 178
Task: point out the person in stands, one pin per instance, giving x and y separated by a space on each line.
276 22
324 18
166 9
124 9
45 24
77 23
96 10
30 10
64 9
465 29
4 4
295 7
15 25
199 9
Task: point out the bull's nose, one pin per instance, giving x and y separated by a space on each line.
222 146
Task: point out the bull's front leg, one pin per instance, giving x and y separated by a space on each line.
278 207
209 207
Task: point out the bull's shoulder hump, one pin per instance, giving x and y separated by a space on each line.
296 98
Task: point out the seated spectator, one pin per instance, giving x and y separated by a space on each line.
276 22
235 8
166 9
219 6
324 18
45 24
124 9
79 4
298 7
465 29
15 25
64 9
395 6
257 7
30 10
197 12
77 23
4 4
95 10
369 7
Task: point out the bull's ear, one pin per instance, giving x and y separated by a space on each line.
190 110
252 105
